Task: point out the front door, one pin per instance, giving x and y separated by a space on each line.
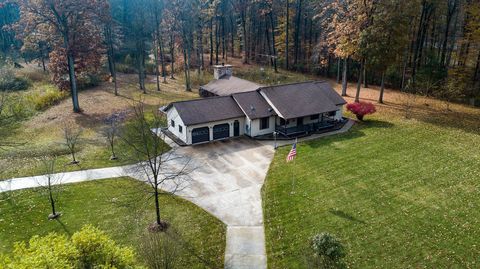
236 128
299 121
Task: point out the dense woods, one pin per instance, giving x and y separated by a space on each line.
430 47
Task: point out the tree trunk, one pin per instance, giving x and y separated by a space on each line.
211 41
111 61
245 43
452 6
298 21
155 54
382 88
186 60
217 41
359 84
232 37
287 26
272 22
162 60
344 77
172 55
43 63
157 204
224 55
73 82
339 63
365 82
50 197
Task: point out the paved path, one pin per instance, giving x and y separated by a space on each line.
226 181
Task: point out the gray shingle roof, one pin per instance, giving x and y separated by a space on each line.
330 92
228 85
254 105
207 110
302 99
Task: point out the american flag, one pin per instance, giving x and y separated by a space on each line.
293 152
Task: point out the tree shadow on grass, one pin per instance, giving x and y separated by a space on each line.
467 122
355 132
343 215
64 227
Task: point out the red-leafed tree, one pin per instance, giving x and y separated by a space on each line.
73 28
360 109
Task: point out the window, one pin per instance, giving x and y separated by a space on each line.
172 123
332 113
180 128
314 117
264 123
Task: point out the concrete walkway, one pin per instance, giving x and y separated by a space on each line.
226 181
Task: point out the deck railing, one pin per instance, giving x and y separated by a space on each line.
305 128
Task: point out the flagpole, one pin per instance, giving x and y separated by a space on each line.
293 170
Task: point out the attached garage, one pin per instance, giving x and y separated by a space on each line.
203 120
221 131
200 135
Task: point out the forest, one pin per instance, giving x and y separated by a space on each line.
427 47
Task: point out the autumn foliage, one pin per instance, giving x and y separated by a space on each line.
360 109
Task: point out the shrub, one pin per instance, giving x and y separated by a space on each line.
327 246
86 81
150 68
96 249
9 82
360 109
88 248
47 97
125 68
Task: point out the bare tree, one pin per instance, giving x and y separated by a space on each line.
71 136
157 164
111 131
50 184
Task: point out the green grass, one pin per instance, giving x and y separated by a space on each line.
119 207
25 158
398 194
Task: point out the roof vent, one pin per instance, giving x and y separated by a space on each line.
252 108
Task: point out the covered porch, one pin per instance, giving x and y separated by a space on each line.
306 125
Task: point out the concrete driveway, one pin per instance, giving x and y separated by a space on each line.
226 181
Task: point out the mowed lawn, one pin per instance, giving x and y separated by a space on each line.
398 193
120 208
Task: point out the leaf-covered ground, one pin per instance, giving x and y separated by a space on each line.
121 209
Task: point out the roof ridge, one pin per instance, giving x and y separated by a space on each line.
200 99
293 83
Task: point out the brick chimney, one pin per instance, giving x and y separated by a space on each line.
222 70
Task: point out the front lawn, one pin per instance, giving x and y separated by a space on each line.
119 207
398 193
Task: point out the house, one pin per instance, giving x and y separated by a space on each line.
256 111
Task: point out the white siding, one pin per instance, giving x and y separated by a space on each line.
339 114
172 114
213 123
255 127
